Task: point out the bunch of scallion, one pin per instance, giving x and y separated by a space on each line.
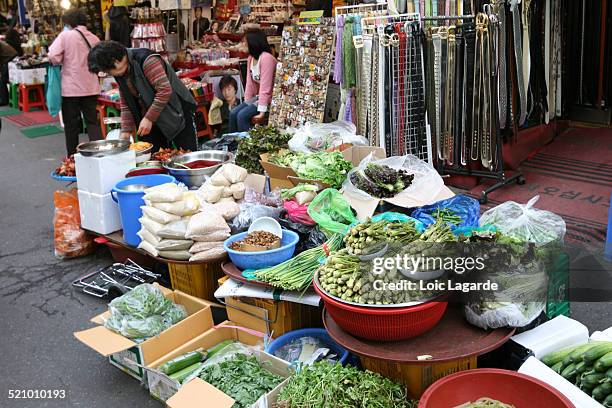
297 272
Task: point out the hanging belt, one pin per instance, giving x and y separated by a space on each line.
437 43
526 49
365 100
547 44
518 53
449 97
459 95
430 92
502 99
402 75
482 23
469 37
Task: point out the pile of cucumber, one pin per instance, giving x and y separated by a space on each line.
181 367
589 366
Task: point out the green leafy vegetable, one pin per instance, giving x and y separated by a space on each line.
143 312
328 167
331 385
242 378
381 181
261 139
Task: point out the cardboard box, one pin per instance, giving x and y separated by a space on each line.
163 387
285 177
132 358
195 391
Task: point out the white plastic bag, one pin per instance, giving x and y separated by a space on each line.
234 173
507 315
174 244
314 137
205 246
525 222
153 226
425 186
146 235
182 255
208 255
174 230
164 193
188 205
158 215
227 209
148 247
205 223
212 236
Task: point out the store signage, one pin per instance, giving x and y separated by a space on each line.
310 17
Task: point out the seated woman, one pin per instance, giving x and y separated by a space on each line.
261 68
229 90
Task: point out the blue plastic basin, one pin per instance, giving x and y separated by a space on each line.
263 259
316 333
131 201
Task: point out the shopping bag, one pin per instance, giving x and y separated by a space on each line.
54 90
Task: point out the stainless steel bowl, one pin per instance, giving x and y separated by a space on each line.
101 148
196 177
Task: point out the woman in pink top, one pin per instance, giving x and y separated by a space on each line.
261 68
80 88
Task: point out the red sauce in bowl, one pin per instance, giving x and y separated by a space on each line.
202 164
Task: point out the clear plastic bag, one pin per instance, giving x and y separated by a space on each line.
143 301
314 137
503 315
466 208
249 212
331 211
69 239
425 186
272 199
307 350
525 222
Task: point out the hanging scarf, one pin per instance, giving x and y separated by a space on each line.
348 110
339 41
348 57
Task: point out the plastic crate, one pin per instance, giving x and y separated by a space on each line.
557 301
199 280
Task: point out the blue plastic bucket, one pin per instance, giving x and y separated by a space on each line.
131 201
321 334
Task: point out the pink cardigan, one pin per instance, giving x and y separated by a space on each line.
70 50
263 88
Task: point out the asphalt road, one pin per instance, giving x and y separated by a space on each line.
40 309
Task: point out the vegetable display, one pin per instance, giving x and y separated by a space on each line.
588 366
242 378
438 232
262 139
381 181
164 155
302 193
297 272
366 234
255 238
331 385
329 167
485 402
143 312
447 215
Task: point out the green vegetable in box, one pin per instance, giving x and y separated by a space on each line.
261 139
329 167
331 385
381 181
241 377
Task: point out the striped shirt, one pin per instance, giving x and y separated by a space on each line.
155 72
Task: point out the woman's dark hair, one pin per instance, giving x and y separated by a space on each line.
74 17
257 43
228 80
104 55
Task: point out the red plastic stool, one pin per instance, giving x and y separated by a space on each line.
207 130
31 96
101 109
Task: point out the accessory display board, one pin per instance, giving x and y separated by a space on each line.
302 74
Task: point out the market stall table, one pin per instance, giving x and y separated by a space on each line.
452 345
198 279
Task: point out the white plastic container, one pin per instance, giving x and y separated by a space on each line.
99 213
99 175
553 335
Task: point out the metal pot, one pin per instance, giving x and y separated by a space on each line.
101 148
196 177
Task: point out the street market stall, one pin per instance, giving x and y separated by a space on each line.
305 264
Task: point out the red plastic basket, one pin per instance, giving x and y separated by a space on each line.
506 386
384 324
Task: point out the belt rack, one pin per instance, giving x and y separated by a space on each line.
460 164
400 97
362 9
